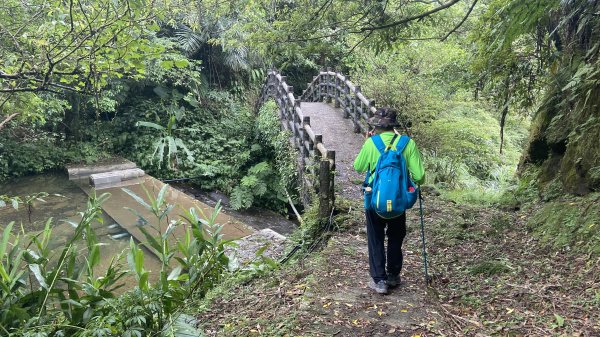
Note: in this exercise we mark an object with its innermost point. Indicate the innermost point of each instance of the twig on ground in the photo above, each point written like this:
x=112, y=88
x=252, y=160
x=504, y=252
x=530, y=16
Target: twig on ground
x=478, y=324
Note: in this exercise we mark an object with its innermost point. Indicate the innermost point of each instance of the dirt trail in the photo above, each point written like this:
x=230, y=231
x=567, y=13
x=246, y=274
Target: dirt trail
x=326, y=294
x=348, y=275
x=329, y=296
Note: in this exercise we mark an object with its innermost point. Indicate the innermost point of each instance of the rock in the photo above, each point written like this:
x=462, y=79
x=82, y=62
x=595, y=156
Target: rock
x=248, y=246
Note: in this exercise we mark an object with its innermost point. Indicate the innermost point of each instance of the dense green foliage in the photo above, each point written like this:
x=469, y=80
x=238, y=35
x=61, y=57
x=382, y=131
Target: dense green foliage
x=573, y=228
x=272, y=180
x=74, y=47
x=550, y=46
x=172, y=86
x=430, y=84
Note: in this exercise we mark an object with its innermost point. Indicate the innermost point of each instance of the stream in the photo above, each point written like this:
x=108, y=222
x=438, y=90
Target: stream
x=66, y=198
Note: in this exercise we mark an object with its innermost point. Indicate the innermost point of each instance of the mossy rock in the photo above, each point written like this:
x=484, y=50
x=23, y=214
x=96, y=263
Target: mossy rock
x=571, y=224
x=580, y=163
x=564, y=144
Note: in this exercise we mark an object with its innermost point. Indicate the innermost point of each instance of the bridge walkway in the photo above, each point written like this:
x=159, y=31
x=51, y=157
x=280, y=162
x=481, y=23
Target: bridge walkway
x=406, y=309
x=338, y=134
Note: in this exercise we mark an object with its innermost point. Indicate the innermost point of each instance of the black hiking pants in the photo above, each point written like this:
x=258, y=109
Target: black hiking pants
x=377, y=228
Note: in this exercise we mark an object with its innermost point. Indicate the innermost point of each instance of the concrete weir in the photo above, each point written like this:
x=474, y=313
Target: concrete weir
x=78, y=171
x=110, y=179
x=115, y=175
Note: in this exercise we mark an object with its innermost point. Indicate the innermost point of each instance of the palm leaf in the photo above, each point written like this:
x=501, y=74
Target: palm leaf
x=189, y=40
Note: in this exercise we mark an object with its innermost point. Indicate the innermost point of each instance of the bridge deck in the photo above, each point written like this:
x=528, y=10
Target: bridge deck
x=338, y=134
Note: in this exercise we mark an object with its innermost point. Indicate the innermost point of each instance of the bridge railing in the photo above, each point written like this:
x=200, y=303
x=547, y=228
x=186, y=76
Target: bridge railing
x=332, y=86
x=317, y=163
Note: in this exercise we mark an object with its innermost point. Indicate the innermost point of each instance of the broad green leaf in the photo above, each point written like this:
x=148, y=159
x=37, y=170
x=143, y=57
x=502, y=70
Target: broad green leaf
x=261, y=250
x=160, y=199
x=94, y=256
x=150, y=125
x=182, y=63
x=152, y=242
x=137, y=198
x=143, y=283
x=4, y=247
x=560, y=321
x=181, y=325
x=174, y=273
x=37, y=272
x=166, y=64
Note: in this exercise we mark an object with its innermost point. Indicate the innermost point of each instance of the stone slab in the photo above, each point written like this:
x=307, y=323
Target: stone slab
x=78, y=171
x=115, y=177
x=245, y=253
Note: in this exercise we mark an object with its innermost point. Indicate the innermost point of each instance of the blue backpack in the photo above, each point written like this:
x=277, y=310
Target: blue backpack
x=392, y=192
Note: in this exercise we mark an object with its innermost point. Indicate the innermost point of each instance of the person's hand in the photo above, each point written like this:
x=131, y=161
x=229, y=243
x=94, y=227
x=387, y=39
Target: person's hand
x=369, y=133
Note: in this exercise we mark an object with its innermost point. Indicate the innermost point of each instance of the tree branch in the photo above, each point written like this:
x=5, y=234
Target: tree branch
x=8, y=119
x=461, y=22
x=410, y=18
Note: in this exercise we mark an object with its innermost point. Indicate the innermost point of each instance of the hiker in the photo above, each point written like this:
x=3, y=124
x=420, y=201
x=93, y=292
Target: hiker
x=383, y=123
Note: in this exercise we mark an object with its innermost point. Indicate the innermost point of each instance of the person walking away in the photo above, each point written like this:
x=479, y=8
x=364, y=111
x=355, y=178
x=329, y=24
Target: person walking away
x=384, y=122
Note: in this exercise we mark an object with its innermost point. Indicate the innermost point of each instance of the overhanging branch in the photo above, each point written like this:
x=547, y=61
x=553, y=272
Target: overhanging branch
x=409, y=19
x=461, y=22
x=8, y=119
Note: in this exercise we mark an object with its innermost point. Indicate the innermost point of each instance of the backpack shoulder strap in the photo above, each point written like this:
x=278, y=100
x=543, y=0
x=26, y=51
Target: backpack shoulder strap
x=402, y=143
x=378, y=143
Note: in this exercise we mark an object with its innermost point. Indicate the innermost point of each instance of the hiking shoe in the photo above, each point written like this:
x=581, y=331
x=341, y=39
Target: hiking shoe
x=393, y=281
x=380, y=287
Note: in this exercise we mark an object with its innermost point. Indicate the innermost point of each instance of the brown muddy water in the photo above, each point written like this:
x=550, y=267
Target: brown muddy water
x=65, y=199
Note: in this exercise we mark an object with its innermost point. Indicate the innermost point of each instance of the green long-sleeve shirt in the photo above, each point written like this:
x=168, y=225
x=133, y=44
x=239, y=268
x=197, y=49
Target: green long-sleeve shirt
x=368, y=156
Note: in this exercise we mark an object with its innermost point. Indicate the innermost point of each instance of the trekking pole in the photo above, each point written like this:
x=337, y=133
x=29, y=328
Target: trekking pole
x=423, y=239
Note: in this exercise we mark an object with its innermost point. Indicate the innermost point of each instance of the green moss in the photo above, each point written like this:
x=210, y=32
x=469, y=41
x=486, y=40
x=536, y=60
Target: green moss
x=564, y=143
x=572, y=224
x=489, y=268
x=552, y=190
x=594, y=174
x=582, y=156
